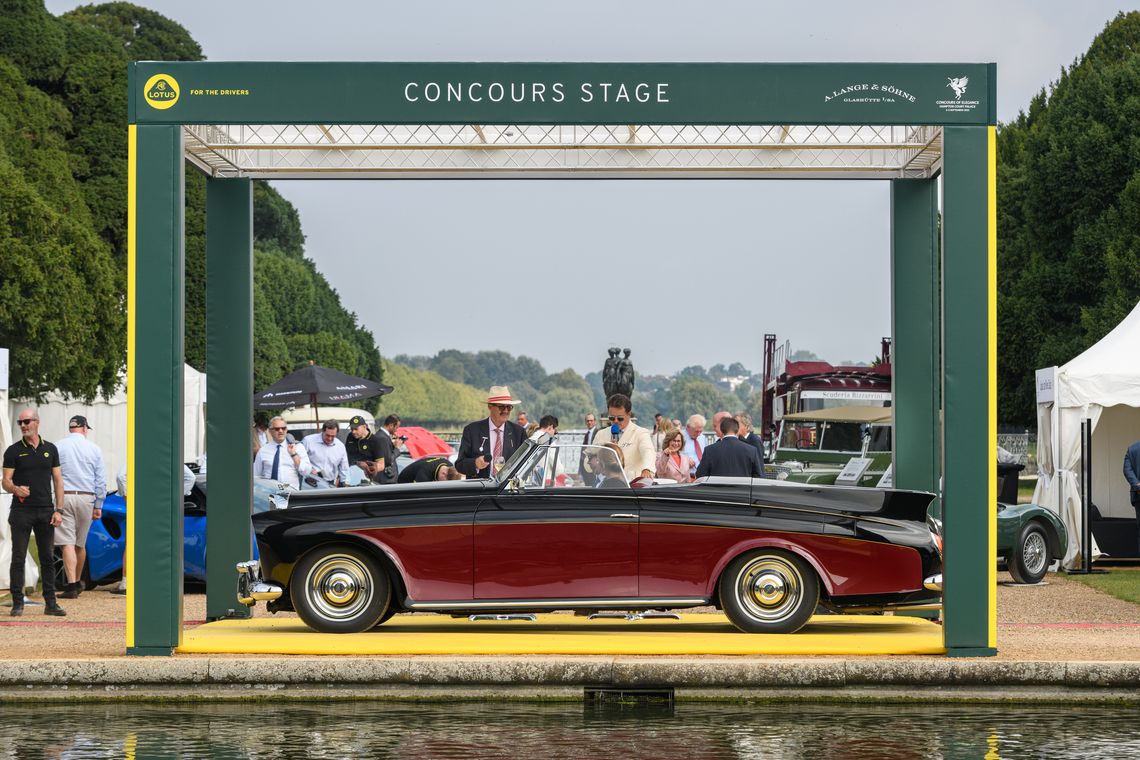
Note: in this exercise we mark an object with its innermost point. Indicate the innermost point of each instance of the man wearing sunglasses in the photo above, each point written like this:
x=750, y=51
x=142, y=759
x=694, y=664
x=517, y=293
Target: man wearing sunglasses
x=32, y=475
x=636, y=445
x=282, y=459
x=491, y=441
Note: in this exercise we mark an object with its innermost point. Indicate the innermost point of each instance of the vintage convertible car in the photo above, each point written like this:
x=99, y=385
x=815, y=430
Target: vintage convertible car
x=538, y=536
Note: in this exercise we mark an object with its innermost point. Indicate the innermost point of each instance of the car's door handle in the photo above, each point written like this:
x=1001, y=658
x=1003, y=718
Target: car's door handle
x=624, y=515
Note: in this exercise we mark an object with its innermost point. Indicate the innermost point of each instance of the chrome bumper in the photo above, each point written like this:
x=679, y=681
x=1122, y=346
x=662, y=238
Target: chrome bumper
x=250, y=588
x=933, y=583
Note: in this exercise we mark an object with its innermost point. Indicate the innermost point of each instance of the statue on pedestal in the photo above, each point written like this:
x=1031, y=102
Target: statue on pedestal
x=617, y=374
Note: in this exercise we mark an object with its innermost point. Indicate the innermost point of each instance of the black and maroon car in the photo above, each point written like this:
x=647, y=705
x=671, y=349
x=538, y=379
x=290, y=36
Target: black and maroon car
x=560, y=528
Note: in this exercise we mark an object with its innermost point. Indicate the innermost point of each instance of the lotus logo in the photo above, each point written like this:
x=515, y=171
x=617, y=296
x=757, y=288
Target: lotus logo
x=958, y=85
x=161, y=91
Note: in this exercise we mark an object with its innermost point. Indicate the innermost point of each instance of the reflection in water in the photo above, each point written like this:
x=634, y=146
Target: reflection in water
x=509, y=730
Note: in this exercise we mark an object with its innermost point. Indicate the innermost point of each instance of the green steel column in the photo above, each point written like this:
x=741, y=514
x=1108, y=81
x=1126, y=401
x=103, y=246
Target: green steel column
x=915, y=354
x=229, y=388
x=155, y=274
x=969, y=390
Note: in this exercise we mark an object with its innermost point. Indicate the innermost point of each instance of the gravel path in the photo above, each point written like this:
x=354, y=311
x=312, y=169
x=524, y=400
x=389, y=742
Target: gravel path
x=1059, y=619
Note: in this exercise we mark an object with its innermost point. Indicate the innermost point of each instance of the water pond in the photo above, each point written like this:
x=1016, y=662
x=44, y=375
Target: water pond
x=694, y=731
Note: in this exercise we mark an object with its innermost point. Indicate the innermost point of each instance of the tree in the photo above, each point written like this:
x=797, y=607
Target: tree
x=1066, y=195
x=569, y=405
x=60, y=296
x=691, y=396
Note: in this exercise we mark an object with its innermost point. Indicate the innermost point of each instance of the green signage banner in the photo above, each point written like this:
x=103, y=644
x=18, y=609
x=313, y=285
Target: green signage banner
x=562, y=93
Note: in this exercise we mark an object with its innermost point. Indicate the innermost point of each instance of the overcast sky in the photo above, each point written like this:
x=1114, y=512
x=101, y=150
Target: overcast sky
x=710, y=266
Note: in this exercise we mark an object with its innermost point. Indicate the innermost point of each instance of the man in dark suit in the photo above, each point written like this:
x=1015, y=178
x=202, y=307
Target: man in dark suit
x=486, y=441
x=730, y=455
x=1132, y=475
x=745, y=421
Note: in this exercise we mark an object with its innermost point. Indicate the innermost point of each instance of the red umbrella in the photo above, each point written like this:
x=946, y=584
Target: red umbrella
x=422, y=442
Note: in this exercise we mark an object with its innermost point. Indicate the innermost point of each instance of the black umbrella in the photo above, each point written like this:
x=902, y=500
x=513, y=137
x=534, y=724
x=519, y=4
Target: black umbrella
x=317, y=385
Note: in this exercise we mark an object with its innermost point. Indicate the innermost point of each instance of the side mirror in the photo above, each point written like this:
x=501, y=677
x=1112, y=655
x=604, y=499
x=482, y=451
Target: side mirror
x=279, y=500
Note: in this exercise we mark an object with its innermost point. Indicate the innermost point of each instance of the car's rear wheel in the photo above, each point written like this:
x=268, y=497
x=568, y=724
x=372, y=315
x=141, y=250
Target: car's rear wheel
x=339, y=589
x=769, y=591
x=1029, y=558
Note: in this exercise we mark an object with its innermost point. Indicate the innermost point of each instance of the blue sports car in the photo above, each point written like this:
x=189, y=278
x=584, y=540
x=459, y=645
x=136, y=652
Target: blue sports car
x=106, y=542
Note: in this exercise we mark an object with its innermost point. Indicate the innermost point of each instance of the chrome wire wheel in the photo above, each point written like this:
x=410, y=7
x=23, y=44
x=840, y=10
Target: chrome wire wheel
x=770, y=588
x=339, y=587
x=1034, y=553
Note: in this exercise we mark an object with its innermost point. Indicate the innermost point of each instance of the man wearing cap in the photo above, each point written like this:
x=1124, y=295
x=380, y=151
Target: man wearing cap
x=281, y=459
x=327, y=455
x=32, y=476
x=493, y=440
x=84, y=488
x=363, y=448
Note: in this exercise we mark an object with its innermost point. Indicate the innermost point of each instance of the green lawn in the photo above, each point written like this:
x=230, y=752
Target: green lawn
x=1025, y=488
x=1121, y=582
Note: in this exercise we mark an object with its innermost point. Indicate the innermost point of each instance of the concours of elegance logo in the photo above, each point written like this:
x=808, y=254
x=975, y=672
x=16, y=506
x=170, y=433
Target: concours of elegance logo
x=958, y=104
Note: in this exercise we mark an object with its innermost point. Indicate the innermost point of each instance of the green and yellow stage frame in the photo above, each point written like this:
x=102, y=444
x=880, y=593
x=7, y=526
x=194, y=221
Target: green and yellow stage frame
x=914, y=125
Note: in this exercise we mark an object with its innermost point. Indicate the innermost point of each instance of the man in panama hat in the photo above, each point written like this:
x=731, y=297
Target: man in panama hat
x=490, y=441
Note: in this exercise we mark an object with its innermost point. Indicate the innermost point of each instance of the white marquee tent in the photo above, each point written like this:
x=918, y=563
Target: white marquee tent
x=1103, y=385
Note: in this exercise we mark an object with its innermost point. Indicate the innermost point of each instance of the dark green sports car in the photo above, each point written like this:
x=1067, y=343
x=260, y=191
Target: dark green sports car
x=1029, y=538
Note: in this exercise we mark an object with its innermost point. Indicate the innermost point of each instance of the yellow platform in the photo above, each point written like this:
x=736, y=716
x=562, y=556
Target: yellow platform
x=693, y=634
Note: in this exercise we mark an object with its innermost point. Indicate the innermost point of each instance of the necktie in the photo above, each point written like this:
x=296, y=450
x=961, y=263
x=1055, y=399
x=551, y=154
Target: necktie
x=276, y=462
x=697, y=447
x=498, y=445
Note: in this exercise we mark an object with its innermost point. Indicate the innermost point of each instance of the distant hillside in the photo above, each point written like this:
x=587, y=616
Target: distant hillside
x=63, y=215
x=422, y=397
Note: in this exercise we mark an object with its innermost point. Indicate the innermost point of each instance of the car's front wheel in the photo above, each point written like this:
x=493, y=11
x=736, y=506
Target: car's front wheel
x=339, y=589
x=769, y=591
x=1029, y=558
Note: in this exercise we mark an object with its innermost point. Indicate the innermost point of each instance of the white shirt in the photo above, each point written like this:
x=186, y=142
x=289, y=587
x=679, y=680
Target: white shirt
x=496, y=434
x=690, y=450
x=330, y=458
x=81, y=463
x=287, y=472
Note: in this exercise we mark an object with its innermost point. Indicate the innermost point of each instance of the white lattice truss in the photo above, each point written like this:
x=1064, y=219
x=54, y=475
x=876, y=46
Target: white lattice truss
x=450, y=151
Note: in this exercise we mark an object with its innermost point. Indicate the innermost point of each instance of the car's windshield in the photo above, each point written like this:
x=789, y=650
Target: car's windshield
x=509, y=466
x=570, y=466
x=834, y=436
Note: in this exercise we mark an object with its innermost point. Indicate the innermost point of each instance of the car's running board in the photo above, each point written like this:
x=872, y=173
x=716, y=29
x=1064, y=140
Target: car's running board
x=875, y=608
x=557, y=604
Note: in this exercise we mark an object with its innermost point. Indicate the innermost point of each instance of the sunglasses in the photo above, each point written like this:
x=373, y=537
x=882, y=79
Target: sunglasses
x=24, y=422
x=617, y=419
x=278, y=428
x=503, y=407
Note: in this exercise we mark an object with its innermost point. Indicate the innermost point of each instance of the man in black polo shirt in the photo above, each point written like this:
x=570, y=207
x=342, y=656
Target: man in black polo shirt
x=363, y=449
x=31, y=474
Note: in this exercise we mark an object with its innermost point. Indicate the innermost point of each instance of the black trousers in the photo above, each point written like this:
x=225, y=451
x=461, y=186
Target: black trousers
x=24, y=520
